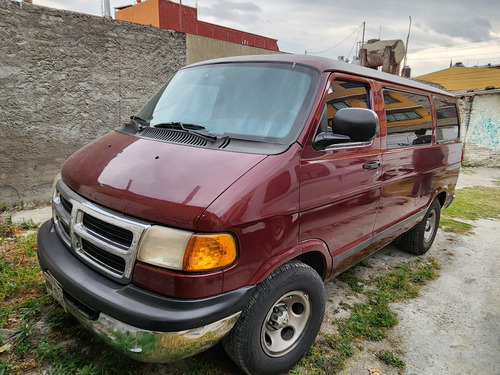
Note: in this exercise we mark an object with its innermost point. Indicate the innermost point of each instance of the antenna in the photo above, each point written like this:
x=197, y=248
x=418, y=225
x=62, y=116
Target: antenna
x=407, y=40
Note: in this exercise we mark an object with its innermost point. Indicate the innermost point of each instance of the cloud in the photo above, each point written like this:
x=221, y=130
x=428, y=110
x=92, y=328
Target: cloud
x=469, y=29
x=233, y=12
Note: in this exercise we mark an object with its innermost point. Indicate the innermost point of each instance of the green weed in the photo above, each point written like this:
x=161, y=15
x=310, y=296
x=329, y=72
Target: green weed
x=7, y=228
x=390, y=359
x=352, y=280
x=5, y=366
x=29, y=224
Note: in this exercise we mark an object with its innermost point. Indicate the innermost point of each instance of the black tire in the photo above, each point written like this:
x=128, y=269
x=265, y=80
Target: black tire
x=419, y=239
x=280, y=322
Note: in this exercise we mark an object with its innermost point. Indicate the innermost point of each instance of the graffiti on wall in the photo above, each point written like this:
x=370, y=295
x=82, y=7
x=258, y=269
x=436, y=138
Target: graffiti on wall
x=484, y=124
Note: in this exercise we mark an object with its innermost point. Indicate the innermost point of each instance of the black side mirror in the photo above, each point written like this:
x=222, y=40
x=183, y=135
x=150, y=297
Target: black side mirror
x=350, y=125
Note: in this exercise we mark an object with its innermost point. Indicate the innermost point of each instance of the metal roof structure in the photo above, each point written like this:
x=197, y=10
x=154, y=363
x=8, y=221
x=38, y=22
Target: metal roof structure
x=462, y=78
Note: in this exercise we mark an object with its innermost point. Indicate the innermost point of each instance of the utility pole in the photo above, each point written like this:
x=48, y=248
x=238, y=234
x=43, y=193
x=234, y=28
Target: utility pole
x=361, y=60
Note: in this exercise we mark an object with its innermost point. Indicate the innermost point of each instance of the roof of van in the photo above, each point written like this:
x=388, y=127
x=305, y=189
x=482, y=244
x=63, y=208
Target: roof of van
x=324, y=64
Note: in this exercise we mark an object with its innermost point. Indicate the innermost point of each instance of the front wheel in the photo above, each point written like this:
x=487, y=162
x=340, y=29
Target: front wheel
x=280, y=322
x=420, y=238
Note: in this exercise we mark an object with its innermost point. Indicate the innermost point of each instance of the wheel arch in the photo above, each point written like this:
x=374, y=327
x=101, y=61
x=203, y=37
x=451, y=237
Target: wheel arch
x=441, y=197
x=316, y=261
x=313, y=252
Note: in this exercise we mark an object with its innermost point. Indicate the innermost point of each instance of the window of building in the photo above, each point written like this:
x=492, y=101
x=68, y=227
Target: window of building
x=409, y=120
x=447, y=124
x=389, y=99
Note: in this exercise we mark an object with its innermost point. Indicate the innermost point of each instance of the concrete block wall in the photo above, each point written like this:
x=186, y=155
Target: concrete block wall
x=481, y=118
x=65, y=79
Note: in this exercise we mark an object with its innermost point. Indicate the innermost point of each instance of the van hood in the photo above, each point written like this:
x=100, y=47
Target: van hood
x=156, y=181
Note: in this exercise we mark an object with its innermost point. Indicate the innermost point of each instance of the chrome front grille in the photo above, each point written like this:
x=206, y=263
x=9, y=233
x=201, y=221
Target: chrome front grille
x=104, y=239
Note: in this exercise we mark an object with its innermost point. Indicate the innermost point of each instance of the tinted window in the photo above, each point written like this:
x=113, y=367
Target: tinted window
x=447, y=125
x=409, y=121
x=345, y=94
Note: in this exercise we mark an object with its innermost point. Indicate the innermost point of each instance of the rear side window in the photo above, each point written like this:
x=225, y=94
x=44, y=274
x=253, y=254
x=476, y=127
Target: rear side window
x=409, y=120
x=447, y=124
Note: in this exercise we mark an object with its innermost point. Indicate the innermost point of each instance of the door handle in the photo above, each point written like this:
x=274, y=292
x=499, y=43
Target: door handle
x=372, y=165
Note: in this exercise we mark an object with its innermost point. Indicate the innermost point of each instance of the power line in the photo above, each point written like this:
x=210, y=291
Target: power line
x=354, y=44
x=326, y=50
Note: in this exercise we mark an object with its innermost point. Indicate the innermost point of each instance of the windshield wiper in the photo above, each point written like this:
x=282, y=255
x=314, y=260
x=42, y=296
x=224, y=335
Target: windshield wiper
x=139, y=121
x=189, y=128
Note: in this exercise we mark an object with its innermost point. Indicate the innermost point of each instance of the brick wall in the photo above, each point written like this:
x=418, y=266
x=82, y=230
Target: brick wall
x=65, y=79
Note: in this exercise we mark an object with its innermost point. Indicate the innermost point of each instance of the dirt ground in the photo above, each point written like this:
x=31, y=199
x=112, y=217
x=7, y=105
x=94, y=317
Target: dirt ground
x=454, y=326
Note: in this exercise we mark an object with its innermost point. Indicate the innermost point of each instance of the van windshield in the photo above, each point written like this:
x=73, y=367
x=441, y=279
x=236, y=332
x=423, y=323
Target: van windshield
x=261, y=102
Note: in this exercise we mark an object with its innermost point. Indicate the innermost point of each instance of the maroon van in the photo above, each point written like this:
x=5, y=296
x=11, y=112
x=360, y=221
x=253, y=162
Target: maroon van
x=243, y=184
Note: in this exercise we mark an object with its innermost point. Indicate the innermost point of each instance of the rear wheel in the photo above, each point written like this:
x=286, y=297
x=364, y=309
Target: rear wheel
x=280, y=322
x=419, y=239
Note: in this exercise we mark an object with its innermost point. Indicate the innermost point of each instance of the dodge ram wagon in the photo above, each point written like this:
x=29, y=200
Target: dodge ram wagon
x=221, y=207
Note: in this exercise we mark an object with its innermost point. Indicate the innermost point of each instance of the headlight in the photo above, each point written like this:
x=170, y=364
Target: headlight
x=183, y=250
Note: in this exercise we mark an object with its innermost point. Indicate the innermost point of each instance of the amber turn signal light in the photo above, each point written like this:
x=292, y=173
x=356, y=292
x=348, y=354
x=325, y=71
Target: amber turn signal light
x=209, y=251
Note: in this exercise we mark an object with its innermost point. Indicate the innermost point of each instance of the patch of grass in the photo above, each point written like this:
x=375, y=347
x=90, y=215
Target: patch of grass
x=7, y=228
x=56, y=317
x=352, y=280
x=455, y=226
x=20, y=275
x=4, y=207
x=390, y=359
x=5, y=366
x=28, y=224
x=397, y=285
x=471, y=203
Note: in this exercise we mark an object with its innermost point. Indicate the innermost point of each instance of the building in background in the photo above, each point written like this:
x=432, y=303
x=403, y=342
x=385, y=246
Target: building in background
x=168, y=15
x=459, y=78
x=478, y=89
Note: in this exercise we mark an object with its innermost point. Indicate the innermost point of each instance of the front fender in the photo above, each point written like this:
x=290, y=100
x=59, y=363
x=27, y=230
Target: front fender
x=304, y=250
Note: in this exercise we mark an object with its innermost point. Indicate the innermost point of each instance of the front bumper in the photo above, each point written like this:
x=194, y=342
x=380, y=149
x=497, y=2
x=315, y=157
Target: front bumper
x=141, y=324
x=149, y=346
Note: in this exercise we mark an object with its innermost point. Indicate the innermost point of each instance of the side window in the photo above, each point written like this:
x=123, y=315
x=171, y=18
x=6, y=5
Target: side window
x=345, y=94
x=409, y=121
x=447, y=124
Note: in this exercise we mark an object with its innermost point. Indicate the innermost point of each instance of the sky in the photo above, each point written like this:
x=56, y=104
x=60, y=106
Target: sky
x=442, y=31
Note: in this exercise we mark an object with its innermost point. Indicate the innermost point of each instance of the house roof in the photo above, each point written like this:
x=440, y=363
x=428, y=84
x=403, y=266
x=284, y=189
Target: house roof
x=462, y=78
